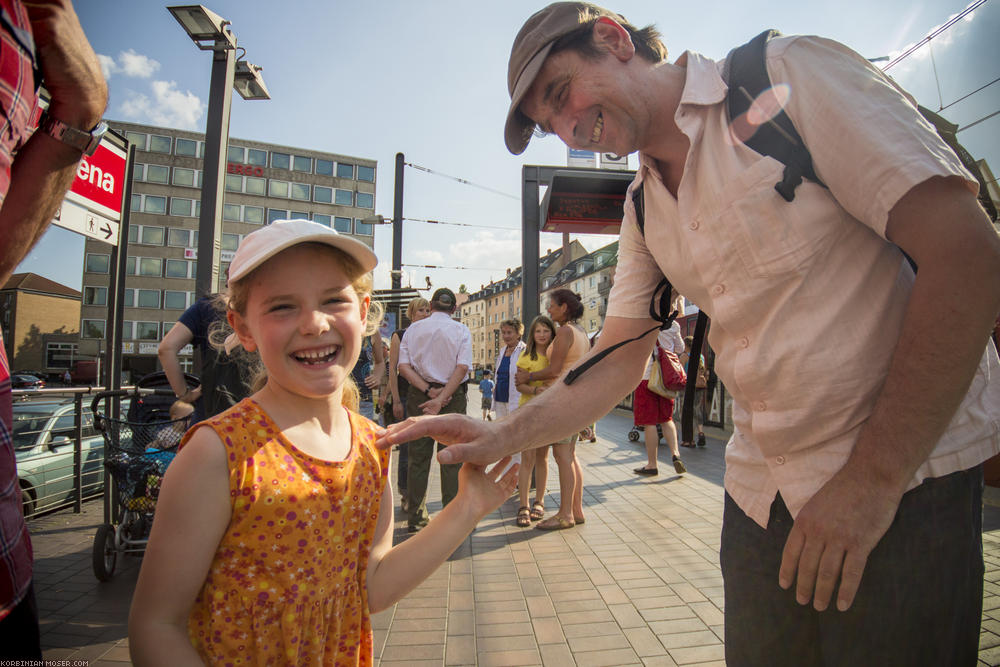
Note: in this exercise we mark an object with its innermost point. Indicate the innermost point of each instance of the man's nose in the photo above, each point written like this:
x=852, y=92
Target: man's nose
x=565, y=129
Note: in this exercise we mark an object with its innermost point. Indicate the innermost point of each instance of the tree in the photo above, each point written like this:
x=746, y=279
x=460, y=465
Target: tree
x=462, y=289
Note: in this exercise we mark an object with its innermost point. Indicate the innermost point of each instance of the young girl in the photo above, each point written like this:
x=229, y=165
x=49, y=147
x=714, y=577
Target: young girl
x=272, y=542
x=540, y=335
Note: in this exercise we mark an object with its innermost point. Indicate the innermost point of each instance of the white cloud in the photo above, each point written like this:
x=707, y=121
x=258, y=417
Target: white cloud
x=428, y=257
x=169, y=106
x=129, y=63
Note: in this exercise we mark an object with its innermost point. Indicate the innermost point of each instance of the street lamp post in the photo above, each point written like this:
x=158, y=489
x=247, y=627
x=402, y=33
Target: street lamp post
x=210, y=32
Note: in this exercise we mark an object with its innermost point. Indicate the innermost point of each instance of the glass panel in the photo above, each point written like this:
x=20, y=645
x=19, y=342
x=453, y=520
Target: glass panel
x=159, y=143
x=230, y=241
x=139, y=171
x=178, y=237
x=155, y=204
x=174, y=301
x=254, y=214
x=234, y=183
x=344, y=198
x=254, y=186
x=366, y=173
x=156, y=173
x=323, y=195
x=130, y=266
x=277, y=188
x=299, y=215
x=149, y=298
x=137, y=138
x=133, y=234
x=185, y=147
x=300, y=163
x=181, y=207
x=136, y=202
x=366, y=200
x=95, y=296
x=256, y=157
x=280, y=160
x=128, y=330
x=322, y=219
x=362, y=227
x=150, y=266
x=235, y=154
x=184, y=177
x=147, y=330
x=231, y=212
x=152, y=235
x=177, y=268
x=98, y=263
x=276, y=214
x=300, y=191
x=345, y=170
x=324, y=167
x=342, y=225
x=93, y=328
x=129, y=297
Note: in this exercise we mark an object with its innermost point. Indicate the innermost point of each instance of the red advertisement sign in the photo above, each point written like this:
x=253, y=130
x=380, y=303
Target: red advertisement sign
x=100, y=181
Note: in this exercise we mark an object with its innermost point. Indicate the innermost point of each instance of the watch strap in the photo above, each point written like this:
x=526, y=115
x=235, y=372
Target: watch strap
x=84, y=141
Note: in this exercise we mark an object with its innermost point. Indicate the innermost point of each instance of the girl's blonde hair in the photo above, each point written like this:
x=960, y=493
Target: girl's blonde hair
x=238, y=294
x=415, y=305
x=532, y=347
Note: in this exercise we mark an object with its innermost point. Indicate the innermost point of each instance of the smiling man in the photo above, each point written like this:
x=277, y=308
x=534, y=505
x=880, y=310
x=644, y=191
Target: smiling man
x=852, y=524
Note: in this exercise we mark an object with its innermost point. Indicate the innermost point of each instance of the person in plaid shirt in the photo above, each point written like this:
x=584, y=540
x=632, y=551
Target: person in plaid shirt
x=40, y=41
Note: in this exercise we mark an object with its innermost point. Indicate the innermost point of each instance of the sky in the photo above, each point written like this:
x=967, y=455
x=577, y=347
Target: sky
x=428, y=79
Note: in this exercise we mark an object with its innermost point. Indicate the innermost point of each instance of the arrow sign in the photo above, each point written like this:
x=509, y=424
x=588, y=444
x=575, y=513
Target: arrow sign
x=78, y=219
x=106, y=230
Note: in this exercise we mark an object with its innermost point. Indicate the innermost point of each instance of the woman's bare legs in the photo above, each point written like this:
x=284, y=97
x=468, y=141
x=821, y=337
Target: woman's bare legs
x=524, y=476
x=541, y=472
x=564, y=455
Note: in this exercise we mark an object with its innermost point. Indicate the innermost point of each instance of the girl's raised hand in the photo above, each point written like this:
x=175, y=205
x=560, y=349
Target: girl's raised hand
x=485, y=489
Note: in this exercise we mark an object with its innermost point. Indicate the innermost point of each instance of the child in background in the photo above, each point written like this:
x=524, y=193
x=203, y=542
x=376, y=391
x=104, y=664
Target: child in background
x=486, y=389
x=272, y=541
x=541, y=333
x=180, y=417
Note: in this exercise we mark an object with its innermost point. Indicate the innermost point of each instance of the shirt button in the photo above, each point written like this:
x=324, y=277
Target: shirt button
x=760, y=406
x=695, y=224
x=780, y=460
x=718, y=289
x=744, y=342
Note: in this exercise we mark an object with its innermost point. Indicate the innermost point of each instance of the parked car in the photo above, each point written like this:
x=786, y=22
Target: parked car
x=43, y=446
x=25, y=381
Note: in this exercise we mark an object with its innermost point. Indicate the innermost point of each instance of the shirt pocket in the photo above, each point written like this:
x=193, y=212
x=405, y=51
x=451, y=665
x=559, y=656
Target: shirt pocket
x=772, y=237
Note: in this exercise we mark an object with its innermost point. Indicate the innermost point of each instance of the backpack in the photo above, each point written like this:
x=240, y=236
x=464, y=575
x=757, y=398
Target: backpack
x=747, y=77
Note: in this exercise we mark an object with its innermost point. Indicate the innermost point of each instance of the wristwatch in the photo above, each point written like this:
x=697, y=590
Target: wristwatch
x=82, y=140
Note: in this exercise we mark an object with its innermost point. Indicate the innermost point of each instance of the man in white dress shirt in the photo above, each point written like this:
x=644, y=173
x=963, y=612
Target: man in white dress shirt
x=434, y=357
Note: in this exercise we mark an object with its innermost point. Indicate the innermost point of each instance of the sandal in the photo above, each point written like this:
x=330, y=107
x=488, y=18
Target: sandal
x=555, y=522
x=537, y=511
x=523, y=517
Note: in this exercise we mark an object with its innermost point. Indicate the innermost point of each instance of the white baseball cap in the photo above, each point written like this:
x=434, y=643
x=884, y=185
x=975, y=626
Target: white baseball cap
x=263, y=244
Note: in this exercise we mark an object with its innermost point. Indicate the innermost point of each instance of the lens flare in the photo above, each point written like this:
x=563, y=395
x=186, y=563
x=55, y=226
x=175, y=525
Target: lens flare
x=762, y=110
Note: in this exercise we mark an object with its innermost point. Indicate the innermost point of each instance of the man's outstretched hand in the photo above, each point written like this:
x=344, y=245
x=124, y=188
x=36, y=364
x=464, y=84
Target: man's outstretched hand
x=468, y=440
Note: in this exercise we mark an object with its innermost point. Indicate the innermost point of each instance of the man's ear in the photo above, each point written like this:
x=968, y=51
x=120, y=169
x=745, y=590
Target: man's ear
x=612, y=36
x=239, y=325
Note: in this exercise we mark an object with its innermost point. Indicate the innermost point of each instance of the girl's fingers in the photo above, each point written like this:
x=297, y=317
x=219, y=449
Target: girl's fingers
x=494, y=473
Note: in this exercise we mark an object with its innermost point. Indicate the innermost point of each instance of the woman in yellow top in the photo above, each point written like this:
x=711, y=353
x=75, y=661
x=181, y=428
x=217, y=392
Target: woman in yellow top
x=540, y=336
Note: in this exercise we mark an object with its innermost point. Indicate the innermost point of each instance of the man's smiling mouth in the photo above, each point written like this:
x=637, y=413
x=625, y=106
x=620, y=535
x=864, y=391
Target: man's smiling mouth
x=595, y=136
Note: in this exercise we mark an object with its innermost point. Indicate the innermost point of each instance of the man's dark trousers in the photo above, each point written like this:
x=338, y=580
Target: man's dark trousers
x=421, y=452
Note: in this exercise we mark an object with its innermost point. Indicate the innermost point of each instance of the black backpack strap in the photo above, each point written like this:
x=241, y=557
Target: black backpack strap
x=747, y=77
x=694, y=362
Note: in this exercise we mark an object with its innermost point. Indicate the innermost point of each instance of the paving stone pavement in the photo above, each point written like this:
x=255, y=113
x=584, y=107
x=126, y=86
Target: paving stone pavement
x=638, y=584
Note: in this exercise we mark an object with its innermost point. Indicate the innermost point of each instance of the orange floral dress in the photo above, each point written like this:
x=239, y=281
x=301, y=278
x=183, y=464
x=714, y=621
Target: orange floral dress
x=287, y=584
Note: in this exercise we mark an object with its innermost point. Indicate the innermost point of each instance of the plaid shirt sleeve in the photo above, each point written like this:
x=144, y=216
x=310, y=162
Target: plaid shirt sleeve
x=18, y=102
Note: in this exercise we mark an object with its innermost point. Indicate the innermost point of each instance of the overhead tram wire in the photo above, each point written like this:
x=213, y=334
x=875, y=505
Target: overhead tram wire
x=467, y=182
x=459, y=268
x=388, y=221
x=955, y=19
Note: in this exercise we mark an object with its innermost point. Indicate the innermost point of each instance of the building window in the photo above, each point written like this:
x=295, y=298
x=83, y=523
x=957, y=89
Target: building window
x=179, y=238
x=324, y=167
x=276, y=214
x=231, y=212
x=234, y=154
x=277, y=188
x=60, y=355
x=344, y=197
x=345, y=170
x=98, y=263
x=174, y=300
x=147, y=331
x=151, y=204
x=254, y=186
x=159, y=143
x=136, y=202
x=92, y=328
x=366, y=173
x=323, y=195
x=127, y=330
x=139, y=171
x=234, y=183
x=300, y=163
x=366, y=200
x=149, y=298
x=342, y=225
x=138, y=139
x=184, y=177
x=177, y=268
x=181, y=207
x=150, y=266
x=299, y=215
x=363, y=228
x=253, y=214
x=156, y=173
x=300, y=191
x=280, y=160
x=185, y=147
x=95, y=296
x=152, y=235
x=230, y=242
x=322, y=219
x=256, y=157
